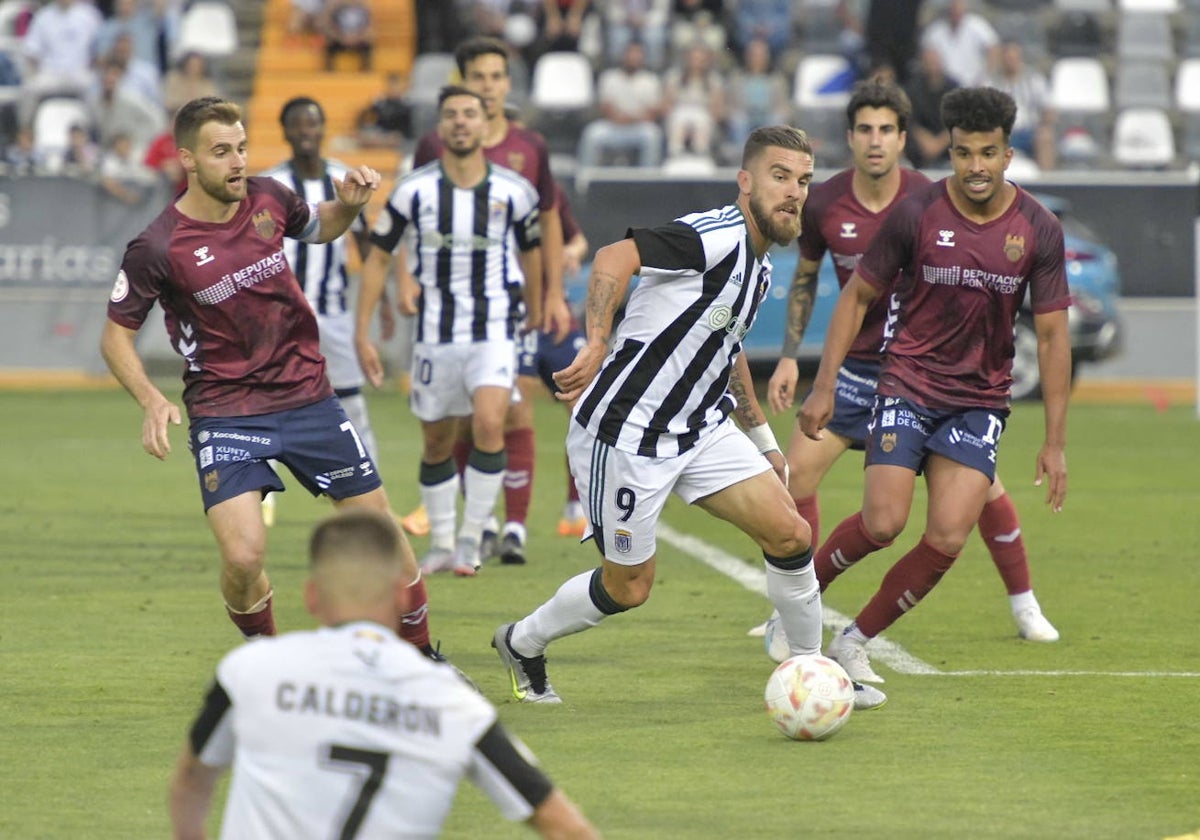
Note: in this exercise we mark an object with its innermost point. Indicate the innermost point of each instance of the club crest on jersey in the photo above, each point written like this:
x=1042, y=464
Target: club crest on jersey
x=888, y=442
x=623, y=541
x=264, y=225
x=212, y=481
x=1014, y=246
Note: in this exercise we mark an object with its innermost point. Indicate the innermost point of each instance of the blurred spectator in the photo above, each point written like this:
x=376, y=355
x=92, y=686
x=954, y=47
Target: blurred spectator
x=140, y=76
x=162, y=157
x=439, y=25
x=644, y=21
x=928, y=140
x=117, y=110
x=491, y=18
x=189, y=79
x=388, y=121
x=758, y=96
x=891, y=35
x=347, y=28
x=60, y=47
x=698, y=21
x=1033, y=132
x=122, y=174
x=10, y=92
x=966, y=41
x=562, y=24
x=142, y=21
x=851, y=42
x=770, y=20
x=21, y=156
x=82, y=156
x=631, y=103
x=694, y=102
x=304, y=23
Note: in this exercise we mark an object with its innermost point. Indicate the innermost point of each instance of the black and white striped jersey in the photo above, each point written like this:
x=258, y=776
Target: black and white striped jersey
x=466, y=250
x=321, y=269
x=665, y=382
x=348, y=731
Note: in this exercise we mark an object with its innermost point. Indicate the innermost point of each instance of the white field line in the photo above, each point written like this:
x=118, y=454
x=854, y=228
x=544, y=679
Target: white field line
x=881, y=649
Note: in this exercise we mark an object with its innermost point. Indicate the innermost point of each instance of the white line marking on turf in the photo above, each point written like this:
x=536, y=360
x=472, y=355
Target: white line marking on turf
x=882, y=649
x=1019, y=673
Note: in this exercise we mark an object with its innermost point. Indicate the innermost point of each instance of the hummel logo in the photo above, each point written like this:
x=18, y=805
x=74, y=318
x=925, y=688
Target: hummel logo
x=849, y=230
x=202, y=255
x=945, y=239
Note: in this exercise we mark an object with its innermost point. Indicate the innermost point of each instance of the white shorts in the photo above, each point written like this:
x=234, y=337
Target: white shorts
x=624, y=494
x=445, y=376
x=337, y=346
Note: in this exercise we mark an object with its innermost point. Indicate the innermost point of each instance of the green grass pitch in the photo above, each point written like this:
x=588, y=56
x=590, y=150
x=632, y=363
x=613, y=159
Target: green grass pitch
x=112, y=623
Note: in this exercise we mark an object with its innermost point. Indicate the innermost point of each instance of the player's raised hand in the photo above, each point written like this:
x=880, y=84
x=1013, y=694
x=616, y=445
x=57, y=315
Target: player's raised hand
x=1052, y=463
x=368, y=360
x=410, y=292
x=575, y=377
x=356, y=188
x=781, y=387
x=159, y=417
x=556, y=320
x=815, y=413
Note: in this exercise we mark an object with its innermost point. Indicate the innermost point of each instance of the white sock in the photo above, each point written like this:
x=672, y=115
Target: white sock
x=517, y=528
x=855, y=635
x=1023, y=600
x=573, y=510
x=482, y=490
x=441, y=504
x=569, y=610
x=356, y=410
x=797, y=597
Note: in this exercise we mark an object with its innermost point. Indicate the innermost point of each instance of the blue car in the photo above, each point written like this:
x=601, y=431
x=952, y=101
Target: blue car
x=1091, y=272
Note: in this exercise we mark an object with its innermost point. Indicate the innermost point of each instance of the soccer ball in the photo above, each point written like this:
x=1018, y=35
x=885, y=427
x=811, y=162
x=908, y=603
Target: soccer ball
x=809, y=697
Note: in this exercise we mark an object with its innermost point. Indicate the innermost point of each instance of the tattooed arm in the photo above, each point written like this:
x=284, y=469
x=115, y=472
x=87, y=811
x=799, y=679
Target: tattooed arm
x=748, y=412
x=750, y=417
x=781, y=389
x=612, y=269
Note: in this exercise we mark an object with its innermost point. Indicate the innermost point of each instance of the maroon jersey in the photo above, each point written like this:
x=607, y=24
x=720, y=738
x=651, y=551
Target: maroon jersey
x=521, y=150
x=835, y=221
x=570, y=225
x=233, y=308
x=953, y=289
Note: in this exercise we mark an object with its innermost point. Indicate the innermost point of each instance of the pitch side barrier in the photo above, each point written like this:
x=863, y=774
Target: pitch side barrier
x=61, y=242
x=1147, y=218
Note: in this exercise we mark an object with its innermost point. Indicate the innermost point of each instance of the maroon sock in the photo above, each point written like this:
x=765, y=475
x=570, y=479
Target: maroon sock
x=1001, y=532
x=261, y=623
x=848, y=544
x=908, y=581
x=518, y=475
x=414, y=624
x=807, y=507
x=572, y=490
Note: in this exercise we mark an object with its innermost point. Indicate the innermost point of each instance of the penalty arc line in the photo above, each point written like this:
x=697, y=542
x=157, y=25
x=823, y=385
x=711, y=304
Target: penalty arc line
x=882, y=649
